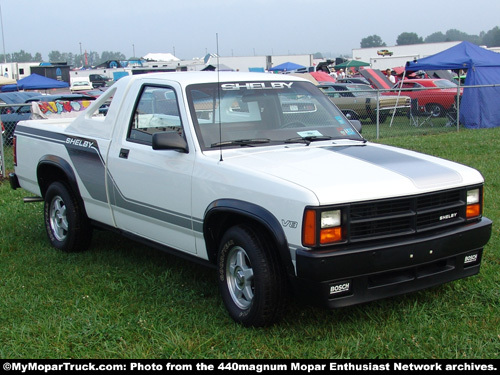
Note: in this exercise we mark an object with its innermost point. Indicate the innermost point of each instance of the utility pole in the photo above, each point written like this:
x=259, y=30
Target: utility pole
x=3, y=36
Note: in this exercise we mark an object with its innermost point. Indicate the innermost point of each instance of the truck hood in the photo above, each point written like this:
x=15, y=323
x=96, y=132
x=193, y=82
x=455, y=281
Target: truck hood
x=353, y=171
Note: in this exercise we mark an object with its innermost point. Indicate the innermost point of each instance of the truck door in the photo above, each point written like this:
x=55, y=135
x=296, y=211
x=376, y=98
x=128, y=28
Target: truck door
x=150, y=190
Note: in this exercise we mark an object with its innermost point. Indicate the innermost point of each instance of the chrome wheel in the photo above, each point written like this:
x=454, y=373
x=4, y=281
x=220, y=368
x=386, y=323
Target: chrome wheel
x=251, y=281
x=58, y=218
x=239, y=278
x=66, y=222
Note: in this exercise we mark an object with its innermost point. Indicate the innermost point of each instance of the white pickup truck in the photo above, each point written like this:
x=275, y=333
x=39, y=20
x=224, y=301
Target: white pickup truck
x=262, y=177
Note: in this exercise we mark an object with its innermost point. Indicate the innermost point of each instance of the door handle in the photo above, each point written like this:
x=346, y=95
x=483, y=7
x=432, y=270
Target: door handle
x=123, y=153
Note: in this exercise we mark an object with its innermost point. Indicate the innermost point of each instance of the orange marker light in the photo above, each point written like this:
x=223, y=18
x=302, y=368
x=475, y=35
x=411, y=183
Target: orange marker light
x=473, y=210
x=330, y=235
x=309, y=230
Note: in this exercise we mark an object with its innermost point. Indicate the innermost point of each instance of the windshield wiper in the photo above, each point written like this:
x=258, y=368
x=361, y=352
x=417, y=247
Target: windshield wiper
x=241, y=142
x=307, y=140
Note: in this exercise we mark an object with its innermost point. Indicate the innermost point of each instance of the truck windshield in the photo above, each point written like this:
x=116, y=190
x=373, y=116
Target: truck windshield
x=256, y=114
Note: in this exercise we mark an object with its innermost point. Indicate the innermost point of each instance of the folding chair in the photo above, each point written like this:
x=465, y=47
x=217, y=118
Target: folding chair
x=419, y=117
x=452, y=114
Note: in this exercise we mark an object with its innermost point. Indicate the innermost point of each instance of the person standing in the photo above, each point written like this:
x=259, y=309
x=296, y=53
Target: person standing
x=389, y=75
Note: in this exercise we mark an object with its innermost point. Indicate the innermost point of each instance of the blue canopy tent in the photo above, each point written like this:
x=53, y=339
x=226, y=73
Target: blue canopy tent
x=35, y=82
x=287, y=66
x=480, y=106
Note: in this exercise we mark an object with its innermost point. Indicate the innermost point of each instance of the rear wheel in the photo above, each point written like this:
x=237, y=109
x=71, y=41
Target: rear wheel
x=437, y=110
x=66, y=223
x=251, y=281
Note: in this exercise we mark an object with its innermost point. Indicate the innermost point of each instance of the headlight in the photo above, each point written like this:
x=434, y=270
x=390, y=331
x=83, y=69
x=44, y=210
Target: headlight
x=322, y=227
x=330, y=219
x=474, y=203
x=473, y=196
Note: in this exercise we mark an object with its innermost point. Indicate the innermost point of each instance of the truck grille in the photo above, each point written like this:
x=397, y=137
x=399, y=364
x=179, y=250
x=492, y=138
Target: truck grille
x=405, y=216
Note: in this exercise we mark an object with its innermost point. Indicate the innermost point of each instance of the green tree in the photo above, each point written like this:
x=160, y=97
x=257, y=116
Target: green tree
x=55, y=56
x=408, y=38
x=436, y=37
x=453, y=35
x=108, y=55
x=5, y=58
x=372, y=41
x=492, y=37
x=22, y=56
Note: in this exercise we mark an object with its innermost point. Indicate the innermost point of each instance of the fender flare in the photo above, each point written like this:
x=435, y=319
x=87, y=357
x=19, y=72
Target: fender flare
x=251, y=212
x=65, y=168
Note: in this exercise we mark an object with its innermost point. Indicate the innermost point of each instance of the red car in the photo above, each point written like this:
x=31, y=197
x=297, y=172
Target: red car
x=434, y=95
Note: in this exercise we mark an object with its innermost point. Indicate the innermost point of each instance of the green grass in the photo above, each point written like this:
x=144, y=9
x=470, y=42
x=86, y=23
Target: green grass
x=123, y=300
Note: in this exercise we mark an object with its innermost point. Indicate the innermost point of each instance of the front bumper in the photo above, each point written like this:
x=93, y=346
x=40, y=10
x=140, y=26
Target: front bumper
x=356, y=274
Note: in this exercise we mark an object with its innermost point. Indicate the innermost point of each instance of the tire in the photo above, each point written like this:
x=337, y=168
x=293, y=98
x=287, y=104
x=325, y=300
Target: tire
x=251, y=282
x=381, y=118
x=350, y=115
x=437, y=110
x=67, y=225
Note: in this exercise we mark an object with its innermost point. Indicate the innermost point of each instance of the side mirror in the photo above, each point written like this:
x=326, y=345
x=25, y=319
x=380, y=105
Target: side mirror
x=357, y=125
x=169, y=141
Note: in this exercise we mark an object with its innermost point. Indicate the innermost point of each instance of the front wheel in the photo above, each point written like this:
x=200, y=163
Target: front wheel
x=251, y=281
x=66, y=222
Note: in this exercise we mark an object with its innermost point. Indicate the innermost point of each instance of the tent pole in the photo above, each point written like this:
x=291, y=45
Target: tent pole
x=458, y=101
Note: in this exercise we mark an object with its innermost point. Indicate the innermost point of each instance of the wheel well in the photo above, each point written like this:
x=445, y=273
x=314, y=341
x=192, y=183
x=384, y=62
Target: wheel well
x=52, y=169
x=220, y=222
x=221, y=219
x=47, y=174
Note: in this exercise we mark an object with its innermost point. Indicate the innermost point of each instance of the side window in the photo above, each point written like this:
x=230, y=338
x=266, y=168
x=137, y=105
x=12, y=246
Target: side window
x=157, y=110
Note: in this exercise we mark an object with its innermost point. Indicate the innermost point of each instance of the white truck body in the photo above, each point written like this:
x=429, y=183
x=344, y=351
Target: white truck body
x=187, y=196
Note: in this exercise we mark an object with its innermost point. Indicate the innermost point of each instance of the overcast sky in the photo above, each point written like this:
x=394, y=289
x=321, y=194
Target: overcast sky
x=189, y=28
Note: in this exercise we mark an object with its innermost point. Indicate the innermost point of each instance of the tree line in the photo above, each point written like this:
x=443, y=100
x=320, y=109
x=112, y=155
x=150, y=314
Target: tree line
x=490, y=38
x=85, y=59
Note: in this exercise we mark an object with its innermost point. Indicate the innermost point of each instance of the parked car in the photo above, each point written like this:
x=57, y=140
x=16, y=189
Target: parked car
x=23, y=112
x=384, y=52
x=436, y=96
x=82, y=85
x=359, y=101
x=98, y=80
x=359, y=80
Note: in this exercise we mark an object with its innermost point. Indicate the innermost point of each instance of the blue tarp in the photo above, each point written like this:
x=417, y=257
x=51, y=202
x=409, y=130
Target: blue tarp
x=288, y=66
x=35, y=82
x=480, y=107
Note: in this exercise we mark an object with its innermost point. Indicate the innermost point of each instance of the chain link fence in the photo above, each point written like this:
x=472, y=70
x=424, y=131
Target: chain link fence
x=419, y=111
x=10, y=115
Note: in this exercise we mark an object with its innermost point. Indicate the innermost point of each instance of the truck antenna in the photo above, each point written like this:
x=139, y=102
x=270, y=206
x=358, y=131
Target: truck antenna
x=218, y=96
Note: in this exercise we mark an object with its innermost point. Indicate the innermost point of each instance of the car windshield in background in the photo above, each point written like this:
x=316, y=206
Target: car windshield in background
x=361, y=90
x=445, y=84
x=263, y=113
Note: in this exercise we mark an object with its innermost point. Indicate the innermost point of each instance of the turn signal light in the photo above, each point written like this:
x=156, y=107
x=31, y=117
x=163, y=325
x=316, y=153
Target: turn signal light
x=330, y=235
x=309, y=230
x=473, y=210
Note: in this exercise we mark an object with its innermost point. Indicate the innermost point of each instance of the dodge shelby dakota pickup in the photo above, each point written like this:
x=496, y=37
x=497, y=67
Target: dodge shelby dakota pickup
x=262, y=177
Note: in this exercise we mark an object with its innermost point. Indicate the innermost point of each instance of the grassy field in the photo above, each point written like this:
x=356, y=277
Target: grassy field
x=123, y=300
